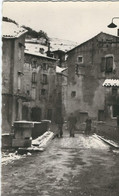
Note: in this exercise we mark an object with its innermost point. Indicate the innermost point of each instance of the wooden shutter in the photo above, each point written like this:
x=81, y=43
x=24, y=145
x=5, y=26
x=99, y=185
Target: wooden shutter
x=103, y=64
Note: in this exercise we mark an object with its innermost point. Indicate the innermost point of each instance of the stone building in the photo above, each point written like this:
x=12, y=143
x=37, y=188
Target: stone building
x=89, y=65
x=13, y=39
x=40, y=85
x=60, y=56
x=111, y=99
x=61, y=92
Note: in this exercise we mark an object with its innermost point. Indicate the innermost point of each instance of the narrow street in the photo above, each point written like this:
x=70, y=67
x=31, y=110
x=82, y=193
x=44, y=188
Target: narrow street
x=79, y=166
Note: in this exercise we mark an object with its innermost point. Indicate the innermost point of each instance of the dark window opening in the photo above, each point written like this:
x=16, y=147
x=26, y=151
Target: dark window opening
x=34, y=77
x=44, y=79
x=80, y=59
x=41, y=50
x=73, y=94
x=114, y=91
x=49, y=114
x=44, y=66
x=115, y=110
x=43, y=91
x=101, y=115
x=28, y=92
x=109, y=64
x=36, y=114
x=34, y=64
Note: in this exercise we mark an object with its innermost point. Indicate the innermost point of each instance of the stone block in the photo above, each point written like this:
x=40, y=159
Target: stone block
x=7, y=140
x=21, y=142
x=23, y=129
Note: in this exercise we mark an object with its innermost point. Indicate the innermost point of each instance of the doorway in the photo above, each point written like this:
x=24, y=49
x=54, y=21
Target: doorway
x=36, y=114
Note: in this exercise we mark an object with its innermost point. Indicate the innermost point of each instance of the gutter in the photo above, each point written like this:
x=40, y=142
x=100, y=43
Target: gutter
x=111, y=143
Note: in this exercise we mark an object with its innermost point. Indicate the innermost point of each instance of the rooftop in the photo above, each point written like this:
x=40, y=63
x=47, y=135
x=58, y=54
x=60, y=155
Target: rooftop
x=11, y=30
x=101, y=33
x=60, y=69
x=39, y=54
x=35, y=47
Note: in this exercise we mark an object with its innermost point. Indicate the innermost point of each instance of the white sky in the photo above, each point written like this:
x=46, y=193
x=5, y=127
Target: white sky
x=75, y=21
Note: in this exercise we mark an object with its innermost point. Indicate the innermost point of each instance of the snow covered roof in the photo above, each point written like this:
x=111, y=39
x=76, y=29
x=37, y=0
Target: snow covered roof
x=111, y=82
x=59, y=69
x=60, y=44
x=35, y=47
x=11, y=30
x=39, y=54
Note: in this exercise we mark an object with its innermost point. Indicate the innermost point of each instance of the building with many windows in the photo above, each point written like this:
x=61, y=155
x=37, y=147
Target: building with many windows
x=40, y=84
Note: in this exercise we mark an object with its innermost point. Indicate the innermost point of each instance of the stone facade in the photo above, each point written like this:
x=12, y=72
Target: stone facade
x=61, y=93
x=60, y=56
x=89, y=64
x=40, y=85
x=12, y=73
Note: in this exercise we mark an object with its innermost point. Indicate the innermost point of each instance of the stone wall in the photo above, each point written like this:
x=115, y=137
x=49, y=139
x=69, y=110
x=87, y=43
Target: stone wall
x=12, y=86
x=85, y=78
x=42, y=92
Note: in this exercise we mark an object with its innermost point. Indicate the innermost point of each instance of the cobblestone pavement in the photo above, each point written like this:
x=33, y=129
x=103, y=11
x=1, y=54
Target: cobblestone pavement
x=79, y=166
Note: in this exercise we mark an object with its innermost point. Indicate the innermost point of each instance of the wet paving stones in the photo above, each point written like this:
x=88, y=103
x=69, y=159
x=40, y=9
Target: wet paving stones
x=80, y=166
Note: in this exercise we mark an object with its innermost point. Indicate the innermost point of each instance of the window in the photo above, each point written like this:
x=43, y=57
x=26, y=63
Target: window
x=73, y=94
x=45, y=66
x=109, y=64
x=28, y=92
x=34, y=64
x=20, y=51
x=115, y=110
x=114, y=91
x=41, y=50
x=101, y=115
x=43, y=91
x=44, y=79
x=49, y=114
x=34, y=77
x=80, y=59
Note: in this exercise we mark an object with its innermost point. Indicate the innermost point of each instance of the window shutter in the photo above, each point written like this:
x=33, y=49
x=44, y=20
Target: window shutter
x=103, y=64
x=109, y=64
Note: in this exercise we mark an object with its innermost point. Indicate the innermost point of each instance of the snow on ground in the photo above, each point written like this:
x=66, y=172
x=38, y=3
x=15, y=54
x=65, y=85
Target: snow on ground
x=41, y=142
x=10, y=157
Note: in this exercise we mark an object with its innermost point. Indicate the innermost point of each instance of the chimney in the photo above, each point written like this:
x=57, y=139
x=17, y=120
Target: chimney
x=48, y=46
x=49, y=52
